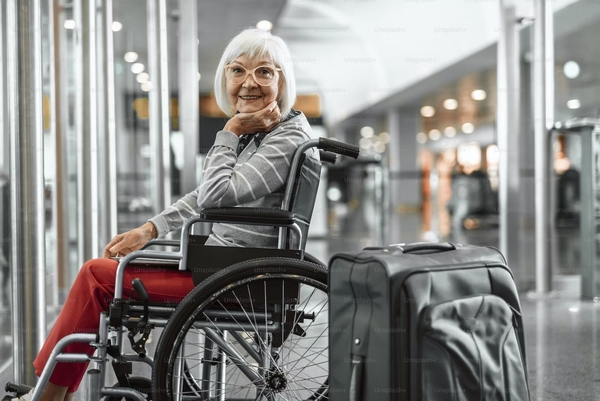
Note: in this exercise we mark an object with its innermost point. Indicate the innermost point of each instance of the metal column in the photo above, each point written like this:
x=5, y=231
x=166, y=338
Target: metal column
x=59, y=186
x=158, y=65
x=404, y=176
x=4, y=155
x=24, y=68
x=86, y=117
x=588, y=188
x=543, y=106
x=509, y=133
x=189, y=117
x=107, y=140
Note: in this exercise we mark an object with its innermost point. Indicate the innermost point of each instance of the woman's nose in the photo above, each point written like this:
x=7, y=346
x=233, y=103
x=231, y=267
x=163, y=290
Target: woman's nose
x=249, y=82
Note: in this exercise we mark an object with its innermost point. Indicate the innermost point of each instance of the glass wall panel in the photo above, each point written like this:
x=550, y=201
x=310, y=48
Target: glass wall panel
x=577, y=95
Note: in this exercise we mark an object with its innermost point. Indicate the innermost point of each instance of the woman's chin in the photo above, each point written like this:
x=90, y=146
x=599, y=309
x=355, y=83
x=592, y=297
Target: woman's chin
x=250, y=107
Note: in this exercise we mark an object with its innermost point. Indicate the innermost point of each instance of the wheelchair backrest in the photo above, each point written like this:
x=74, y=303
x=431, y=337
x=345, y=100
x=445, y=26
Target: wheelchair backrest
x=304, y=194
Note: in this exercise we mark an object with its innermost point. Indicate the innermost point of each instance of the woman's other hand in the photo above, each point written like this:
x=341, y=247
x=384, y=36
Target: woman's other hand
x=259, y=121
x=130, y=241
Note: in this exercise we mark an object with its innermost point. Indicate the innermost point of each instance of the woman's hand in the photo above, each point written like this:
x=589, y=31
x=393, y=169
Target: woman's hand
x=250, y=123
x=130, y=241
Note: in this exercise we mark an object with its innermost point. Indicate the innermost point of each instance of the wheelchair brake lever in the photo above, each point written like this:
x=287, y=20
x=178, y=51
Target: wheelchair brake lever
x=143, y=327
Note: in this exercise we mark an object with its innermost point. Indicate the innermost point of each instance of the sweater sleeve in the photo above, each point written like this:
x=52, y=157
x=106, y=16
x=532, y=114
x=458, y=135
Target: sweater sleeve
x=175, y=215
x=265, y=172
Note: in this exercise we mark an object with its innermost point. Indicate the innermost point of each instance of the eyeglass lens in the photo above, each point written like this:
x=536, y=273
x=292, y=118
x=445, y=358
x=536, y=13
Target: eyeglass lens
x=263, y=75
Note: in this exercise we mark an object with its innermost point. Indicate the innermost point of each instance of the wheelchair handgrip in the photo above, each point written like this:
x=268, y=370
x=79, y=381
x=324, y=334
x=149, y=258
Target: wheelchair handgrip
x=338, y=147
x=139, y=288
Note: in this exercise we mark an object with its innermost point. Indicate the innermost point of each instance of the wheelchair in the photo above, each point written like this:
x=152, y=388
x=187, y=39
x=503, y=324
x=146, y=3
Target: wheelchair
x=255, y=327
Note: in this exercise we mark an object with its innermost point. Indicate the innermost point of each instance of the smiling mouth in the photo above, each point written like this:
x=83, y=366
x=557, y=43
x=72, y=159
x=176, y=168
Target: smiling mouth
x=249, y=97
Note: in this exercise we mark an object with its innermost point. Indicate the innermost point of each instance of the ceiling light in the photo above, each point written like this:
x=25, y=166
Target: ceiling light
x=421, y=137
x=142, y=77
x=384, y=137
x=367, y=132
x=264, y=25
x=334, y=194
x=574, y=104
x=147, y=86
x=435, y=134
x=478, y=94
x=427, y=111
x=450, y=132
x=69, y=24
x=131, y=57
x=116, y=26
x=365, y=143
x=467, y=128
x=379, y=147
x=450, y=104
x=136, y=68
x=571, y=69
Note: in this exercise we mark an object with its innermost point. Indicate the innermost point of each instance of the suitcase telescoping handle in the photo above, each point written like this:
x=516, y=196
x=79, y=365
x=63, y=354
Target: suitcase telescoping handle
x=425, y=246
x=416, y=246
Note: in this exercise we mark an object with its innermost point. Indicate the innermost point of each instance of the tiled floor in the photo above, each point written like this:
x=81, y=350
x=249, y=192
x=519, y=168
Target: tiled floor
x=562, y=332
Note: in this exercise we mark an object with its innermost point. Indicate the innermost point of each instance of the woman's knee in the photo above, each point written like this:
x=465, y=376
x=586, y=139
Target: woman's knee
x=100, y=271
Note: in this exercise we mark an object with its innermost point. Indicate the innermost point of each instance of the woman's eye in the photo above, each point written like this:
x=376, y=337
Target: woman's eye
x=266, y=72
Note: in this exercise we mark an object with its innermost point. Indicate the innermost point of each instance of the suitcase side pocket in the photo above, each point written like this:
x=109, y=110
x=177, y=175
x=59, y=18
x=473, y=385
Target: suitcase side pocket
x=469, y=351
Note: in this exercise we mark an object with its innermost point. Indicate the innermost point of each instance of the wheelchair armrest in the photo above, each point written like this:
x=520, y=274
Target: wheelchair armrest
x=249, y=215
x=162, y=242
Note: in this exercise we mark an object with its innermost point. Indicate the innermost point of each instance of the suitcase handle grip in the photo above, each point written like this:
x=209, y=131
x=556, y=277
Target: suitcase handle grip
x=426, y=246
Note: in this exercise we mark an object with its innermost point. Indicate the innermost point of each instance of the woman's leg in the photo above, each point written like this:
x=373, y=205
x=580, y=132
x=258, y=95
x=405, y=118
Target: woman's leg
x=55, y=393
x=91, y=294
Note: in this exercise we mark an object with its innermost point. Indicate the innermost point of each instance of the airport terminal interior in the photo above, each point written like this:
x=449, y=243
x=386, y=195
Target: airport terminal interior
x=477, y=123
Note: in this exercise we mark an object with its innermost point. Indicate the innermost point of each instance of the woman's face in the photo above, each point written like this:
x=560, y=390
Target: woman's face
x=248, y=96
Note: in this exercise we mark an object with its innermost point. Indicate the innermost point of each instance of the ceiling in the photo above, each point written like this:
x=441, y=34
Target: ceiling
x=360, y=56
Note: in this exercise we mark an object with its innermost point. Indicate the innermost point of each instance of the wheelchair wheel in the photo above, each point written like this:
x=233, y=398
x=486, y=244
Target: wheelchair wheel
x=257, y=330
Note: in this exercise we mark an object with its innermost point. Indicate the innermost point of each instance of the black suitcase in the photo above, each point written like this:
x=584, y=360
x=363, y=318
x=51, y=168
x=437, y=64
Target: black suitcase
x=425, y=321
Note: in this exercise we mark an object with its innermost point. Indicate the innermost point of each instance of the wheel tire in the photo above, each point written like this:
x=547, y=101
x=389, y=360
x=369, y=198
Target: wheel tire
x=141, y=384
x=224, y=282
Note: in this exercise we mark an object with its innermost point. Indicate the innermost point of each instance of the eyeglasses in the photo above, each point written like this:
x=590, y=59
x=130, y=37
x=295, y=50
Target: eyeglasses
x=263, y=75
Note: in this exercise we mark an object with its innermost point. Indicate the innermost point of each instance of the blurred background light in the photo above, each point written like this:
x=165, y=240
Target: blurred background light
x=136, y=68
x=435, y=134
x=450, y=104
x=467, y=128
x=478, y=94
x=116, y=26
x=264, y=25
x=147, y=86
x=69, y=24
x=427, y=111
x=571, y=69
x=421, y=137
x=367, y=132
x=131, y=57
x=384, y=137
x=574, y=104
x=450, y=132
x=142, y=77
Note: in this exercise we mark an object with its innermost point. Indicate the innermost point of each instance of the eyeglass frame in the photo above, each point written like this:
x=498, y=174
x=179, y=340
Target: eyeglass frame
x=248, y=72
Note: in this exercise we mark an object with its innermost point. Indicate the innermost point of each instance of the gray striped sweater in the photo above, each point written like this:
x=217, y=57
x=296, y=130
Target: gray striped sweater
x=255, y=178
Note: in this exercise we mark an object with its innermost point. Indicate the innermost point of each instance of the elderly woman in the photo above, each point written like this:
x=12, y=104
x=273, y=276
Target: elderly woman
x=247, y=165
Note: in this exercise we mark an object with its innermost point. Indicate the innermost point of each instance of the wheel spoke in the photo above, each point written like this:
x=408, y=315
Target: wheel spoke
x=301, y=362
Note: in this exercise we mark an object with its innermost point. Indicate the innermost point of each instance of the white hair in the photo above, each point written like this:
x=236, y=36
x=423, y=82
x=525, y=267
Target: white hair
x=255, y=43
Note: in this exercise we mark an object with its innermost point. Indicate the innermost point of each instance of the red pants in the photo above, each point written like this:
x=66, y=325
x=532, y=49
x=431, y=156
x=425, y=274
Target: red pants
x=91, y=294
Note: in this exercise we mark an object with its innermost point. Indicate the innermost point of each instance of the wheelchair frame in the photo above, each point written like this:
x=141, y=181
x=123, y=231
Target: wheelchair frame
x=109, y=340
